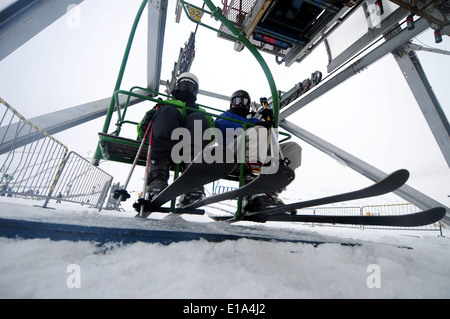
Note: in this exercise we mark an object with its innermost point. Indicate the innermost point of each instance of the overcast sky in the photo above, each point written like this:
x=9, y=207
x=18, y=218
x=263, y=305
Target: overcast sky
x=373, y=115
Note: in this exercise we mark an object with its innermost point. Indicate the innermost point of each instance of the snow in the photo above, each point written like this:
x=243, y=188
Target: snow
x=378, y=267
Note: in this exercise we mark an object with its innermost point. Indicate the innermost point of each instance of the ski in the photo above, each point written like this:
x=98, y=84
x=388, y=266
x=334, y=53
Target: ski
x=422, y=218
x=195, y=175
x=264, y=183
x=386, y=185
x=300, y=88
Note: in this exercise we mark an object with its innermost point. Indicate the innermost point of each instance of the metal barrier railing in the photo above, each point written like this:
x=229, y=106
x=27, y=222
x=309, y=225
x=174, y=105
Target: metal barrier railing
x=218, y=189
x=396, y=209
x=379, y=210
x=81, y=182
x=35, y=164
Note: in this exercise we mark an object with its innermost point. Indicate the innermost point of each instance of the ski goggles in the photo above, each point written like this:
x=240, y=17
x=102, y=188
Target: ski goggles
x=238, y=100
x=187, y=85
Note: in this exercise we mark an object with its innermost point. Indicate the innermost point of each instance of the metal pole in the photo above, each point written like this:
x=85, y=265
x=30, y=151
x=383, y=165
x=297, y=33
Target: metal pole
x=426, y=99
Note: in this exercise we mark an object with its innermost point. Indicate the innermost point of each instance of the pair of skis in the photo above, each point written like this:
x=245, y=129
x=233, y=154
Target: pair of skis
x=198, y=174
x=195, y=175
x=300, y=88
x=386, y=185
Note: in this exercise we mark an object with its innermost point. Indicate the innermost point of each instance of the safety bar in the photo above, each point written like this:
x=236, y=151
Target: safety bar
x=176, y=103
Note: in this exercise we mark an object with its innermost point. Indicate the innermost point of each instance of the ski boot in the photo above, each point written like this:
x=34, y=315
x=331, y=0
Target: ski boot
x=192, y=197
x=280, y=203
x=157, y=177
x=259, y=202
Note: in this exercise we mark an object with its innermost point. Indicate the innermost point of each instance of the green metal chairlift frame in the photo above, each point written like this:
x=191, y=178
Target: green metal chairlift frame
x=112, y=147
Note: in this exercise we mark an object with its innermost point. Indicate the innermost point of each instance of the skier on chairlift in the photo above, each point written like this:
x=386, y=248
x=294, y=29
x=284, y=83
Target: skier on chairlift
x=264, y=121
x=164, y=119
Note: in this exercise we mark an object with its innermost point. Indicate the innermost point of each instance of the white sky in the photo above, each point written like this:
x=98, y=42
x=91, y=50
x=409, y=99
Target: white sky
x=373, y=115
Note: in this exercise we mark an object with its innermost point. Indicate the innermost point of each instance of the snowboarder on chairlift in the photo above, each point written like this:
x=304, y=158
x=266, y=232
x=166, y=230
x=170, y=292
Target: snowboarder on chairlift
x=164, y=119
x=240, y=110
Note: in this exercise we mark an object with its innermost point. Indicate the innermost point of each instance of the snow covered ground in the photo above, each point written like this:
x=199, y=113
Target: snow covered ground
x=244, y=268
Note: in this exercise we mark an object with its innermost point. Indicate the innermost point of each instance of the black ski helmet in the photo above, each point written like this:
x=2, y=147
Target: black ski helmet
x=241, y=101
x=242, y=94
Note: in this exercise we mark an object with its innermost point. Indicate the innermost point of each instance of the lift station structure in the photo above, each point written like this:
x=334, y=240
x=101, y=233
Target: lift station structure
x=290, y=30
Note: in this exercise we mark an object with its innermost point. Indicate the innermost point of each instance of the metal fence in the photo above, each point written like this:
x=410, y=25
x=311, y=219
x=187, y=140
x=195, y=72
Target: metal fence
x=397, y=209
x=34, y=164
x=376, y=210
x=81, y=182
x=218, y=189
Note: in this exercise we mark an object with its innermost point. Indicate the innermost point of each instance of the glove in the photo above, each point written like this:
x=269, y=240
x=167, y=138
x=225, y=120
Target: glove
x=267, y=119
x=121, y=192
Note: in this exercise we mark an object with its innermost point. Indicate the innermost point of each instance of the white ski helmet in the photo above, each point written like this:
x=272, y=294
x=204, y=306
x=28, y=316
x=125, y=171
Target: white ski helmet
x=187, y=82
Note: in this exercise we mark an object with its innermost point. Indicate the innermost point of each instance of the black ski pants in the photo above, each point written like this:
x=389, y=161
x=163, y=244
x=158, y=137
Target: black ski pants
x=165, y=121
